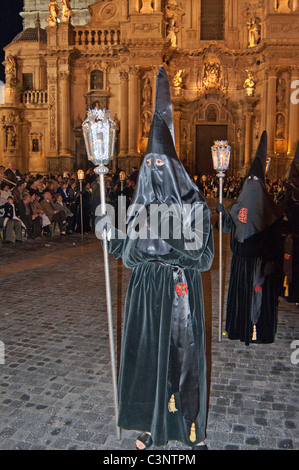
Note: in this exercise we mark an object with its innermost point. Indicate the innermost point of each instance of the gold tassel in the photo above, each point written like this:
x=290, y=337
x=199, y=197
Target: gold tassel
x=285, y=285
x=171, y=405
x=193, y=433
x=254, y=333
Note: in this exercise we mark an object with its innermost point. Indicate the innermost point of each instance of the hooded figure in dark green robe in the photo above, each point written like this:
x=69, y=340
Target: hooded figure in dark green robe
x=168, y=242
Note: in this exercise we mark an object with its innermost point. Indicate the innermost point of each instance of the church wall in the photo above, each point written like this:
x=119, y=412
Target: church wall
x=242, y=81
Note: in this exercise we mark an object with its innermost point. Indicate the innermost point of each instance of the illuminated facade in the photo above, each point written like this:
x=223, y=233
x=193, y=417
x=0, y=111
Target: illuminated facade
x=233, y=67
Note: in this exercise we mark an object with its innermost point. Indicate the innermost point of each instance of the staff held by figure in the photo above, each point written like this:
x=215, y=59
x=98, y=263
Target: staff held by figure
x=99, y=134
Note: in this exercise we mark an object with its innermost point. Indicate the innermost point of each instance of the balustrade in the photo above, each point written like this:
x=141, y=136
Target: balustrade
x=34, y=97
x=99, y=37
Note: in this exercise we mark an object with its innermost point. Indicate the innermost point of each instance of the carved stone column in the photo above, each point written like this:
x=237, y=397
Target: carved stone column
x=293, y=118
x=133, y=110
x=123, y=151
x=248, y=107
x=65, y=114
x=271, y=111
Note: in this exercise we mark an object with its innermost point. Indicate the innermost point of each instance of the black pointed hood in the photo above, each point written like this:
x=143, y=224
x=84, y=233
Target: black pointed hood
x=255, y=210
x=168, y=182
x=258, y=165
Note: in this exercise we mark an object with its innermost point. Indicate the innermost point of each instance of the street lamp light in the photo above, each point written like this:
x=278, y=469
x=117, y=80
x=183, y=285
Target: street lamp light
x=99, y=132
x=80, y=175
x=221, y=153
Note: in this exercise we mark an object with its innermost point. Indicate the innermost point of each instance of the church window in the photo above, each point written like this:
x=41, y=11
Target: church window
x=96, y=80
x=27, y=79
x=212, y=20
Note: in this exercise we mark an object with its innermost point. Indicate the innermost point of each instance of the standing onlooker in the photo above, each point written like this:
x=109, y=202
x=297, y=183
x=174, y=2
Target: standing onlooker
x=12, y=221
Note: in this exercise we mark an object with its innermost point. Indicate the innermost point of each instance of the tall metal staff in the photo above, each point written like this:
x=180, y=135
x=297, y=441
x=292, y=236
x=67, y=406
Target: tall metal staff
x=221, y=152
x=99, y=136
x=80, y=175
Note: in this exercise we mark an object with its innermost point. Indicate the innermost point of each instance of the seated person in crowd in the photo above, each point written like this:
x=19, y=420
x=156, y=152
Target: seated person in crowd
x=5, y=191
x=32, y=222
x=18, y=191
x=61, y=206
x=63, y=191
x=12, y=221
x=53, y=214
x=37, y=209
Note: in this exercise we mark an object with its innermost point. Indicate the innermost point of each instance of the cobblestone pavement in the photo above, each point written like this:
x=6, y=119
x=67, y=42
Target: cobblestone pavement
x=55, y=383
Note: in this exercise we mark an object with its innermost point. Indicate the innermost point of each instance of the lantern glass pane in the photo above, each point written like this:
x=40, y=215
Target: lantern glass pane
x=99, y=135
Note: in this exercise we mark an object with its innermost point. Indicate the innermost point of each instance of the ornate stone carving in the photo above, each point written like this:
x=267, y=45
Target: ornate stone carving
x=254, y=31
x=249, y=83
x=174, y=12
x=54, y=13
x=66, y=11
x=212, y=73
x=147, y=105
x=10, y=69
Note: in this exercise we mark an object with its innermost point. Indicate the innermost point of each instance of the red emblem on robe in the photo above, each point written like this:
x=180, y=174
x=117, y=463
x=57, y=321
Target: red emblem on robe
x=243, y=215
x=181, y=289
x=258, y=289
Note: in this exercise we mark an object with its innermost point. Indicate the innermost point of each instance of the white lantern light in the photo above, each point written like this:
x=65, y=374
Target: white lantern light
x=99, y=134
x=221, y=152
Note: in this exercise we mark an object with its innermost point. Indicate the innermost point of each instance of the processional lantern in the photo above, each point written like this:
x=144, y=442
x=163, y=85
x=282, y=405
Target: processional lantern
x=221, y=153
x=99, y=132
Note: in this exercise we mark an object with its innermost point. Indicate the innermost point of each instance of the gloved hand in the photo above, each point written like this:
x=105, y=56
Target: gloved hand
x=102, y=223
x=220, y=208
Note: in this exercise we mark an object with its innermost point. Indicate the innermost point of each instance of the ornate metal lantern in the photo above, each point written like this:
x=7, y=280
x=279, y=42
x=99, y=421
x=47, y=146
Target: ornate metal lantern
x=221, y=152
x=99, y=132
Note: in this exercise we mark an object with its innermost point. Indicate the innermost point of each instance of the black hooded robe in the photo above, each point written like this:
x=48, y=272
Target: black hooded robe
x=290, y=207
x=255, y=223
x=162, y=378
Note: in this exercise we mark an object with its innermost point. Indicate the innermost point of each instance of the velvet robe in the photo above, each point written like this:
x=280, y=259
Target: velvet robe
x=143, y=389
x=260, y=253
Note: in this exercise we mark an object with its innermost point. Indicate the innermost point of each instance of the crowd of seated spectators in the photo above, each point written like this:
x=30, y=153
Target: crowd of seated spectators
x=38, y=204
x=232, y=186
x=35, y=205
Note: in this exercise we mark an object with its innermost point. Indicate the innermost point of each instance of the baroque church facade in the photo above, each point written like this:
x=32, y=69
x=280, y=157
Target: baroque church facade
x=233, y=67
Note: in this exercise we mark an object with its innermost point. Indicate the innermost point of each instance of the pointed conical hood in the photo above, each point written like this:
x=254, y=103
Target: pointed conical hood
x=168, y=182
x=255, y=210
x=258, y=165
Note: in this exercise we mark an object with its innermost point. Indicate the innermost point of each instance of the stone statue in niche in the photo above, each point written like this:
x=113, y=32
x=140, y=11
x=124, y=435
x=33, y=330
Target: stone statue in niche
x=147, y=93
x=174, y=12
x=280, y=93
x=10, y=69
x=254, y=32
x=280, y=125
x=146, y=119
x=249, y=83
x=10, y=137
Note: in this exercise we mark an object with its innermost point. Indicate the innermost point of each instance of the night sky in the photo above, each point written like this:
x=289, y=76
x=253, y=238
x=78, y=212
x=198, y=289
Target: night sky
x=10, y=26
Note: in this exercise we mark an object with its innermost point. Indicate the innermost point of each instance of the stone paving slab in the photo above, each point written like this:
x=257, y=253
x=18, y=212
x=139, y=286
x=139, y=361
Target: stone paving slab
x=55, y=385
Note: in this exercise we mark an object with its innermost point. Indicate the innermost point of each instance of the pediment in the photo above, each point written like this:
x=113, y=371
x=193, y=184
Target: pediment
x=104, y=13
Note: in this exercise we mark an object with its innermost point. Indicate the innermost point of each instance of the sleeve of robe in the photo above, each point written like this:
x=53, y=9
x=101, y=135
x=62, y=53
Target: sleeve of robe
x=191, y=236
